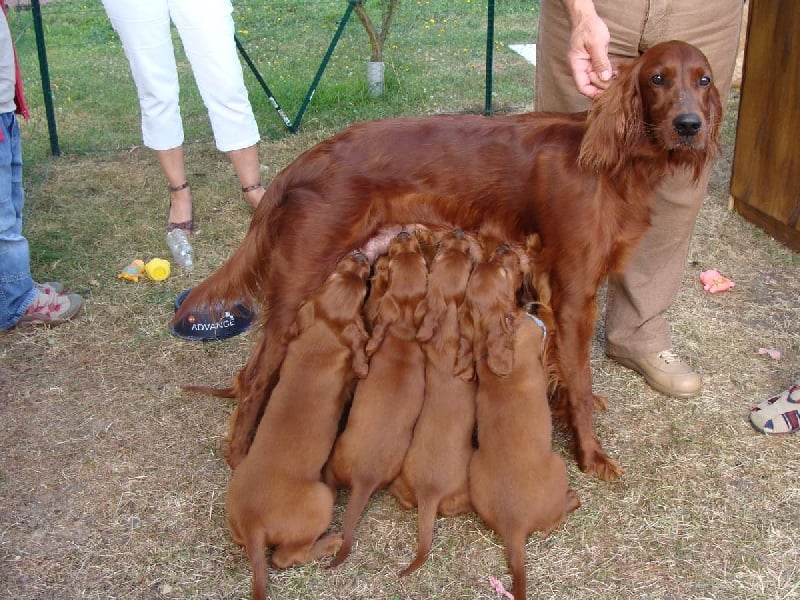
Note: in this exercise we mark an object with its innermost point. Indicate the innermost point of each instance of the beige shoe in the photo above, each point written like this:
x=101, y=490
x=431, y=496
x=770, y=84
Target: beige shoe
x=665, y=372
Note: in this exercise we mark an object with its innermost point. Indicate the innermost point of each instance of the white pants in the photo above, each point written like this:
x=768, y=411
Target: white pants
x=206, y=30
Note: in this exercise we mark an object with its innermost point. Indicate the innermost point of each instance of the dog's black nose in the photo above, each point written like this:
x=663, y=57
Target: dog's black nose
x=687, y=124
x=403, y=235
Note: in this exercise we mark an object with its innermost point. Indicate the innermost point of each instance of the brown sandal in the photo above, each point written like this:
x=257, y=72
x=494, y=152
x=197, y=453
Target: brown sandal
x=185, y=225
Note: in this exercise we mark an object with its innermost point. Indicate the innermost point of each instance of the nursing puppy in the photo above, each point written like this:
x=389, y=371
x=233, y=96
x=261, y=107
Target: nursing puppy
x=434, y=473
x=517, y=483
x=369, y=453
x=276, y=496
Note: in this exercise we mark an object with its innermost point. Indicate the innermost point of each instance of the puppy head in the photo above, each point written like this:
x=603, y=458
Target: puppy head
x=491, y=300
x=447, y=284
x=355, y=263
x=340, y=298
x=510, y=259
x=403, y=242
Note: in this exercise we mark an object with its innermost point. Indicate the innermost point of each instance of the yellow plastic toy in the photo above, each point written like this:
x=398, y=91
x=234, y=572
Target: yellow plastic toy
x=133, y=271
x=157, y=269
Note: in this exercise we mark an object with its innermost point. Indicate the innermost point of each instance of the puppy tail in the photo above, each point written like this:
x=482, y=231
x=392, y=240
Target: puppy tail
x=228, y=392
x=359, y=496
x=238, y=279
x=515, y=554
x=426, y=518
x=256, y=550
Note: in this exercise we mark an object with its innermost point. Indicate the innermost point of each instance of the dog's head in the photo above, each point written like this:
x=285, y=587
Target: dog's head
x=340, y=299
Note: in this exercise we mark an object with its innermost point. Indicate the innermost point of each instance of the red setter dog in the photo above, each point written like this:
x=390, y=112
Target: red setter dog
x=434, y=474
x=582, y=181
x=369, y=453
x=517, y=484
x=276, y=496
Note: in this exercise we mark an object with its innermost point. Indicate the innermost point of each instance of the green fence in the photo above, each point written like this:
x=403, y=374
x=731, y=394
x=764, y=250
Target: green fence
x=436, y=61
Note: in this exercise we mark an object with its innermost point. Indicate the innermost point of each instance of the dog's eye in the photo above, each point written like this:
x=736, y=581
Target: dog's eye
x=657, y=80
x=704, y=81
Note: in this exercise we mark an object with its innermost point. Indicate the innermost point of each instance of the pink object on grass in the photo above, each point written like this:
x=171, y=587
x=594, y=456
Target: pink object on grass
x=714, y=282
x=771, y=352
x=498, y=587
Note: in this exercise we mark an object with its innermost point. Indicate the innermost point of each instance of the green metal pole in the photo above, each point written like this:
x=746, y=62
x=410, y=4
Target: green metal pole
x=45, y=73
x=489, y=57
x=350, y=6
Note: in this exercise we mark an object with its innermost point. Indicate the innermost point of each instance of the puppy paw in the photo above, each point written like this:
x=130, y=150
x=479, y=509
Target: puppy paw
x=599, y=402
x=327, y=545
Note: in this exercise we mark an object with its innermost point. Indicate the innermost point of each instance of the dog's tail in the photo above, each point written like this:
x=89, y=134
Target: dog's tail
x=239, y=278
x=256, y=551
x=359, y=496
x=426, y=518
x=228, y=392
x=515, y=555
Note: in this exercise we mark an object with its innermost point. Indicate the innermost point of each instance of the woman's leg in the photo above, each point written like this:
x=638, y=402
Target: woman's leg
x=207, y=31
x=144, y=29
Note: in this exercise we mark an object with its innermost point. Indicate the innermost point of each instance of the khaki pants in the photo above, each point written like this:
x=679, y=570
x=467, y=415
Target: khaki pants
x=636, y=299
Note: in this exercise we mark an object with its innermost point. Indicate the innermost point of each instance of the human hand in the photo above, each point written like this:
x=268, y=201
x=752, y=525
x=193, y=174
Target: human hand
x=588, y=55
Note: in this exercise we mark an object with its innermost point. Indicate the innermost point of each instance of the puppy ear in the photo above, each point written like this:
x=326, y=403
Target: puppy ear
x=305, y=318
x=428, y=326
x=377, y=288
x=431, y=309
x=499, y=344
x=464, y=367
x=388, y=312
x=614, y=123
x=355, y=336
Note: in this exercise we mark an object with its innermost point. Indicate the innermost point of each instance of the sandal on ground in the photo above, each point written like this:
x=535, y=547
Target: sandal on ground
x=779, y=415
x=185, y=225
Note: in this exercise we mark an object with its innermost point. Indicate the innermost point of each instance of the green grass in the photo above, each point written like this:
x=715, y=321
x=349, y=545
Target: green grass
x=435, y=60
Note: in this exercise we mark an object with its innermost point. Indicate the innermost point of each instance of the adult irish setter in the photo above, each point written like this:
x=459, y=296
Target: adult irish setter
x=583, y=182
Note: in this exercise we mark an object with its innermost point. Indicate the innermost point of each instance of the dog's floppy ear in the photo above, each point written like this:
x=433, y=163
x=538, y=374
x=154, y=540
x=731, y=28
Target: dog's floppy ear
x=500, y=344
x=377, y=288
x=614, y=123
x=304, y=320
x=388, y=312
x=428, y=326
x=430, y=311
x=464, y=367
x=355, y=337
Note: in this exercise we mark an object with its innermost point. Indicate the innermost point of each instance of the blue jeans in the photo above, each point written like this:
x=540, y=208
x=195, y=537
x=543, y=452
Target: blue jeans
x=17, y=289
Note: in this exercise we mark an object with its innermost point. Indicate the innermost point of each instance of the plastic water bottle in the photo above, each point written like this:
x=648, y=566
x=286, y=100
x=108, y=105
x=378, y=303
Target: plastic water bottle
x=181, y=248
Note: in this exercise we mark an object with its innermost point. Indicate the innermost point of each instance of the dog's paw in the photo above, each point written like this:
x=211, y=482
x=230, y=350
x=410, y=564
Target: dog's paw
x=600, y=402
x=600, y=465
x=327, y=545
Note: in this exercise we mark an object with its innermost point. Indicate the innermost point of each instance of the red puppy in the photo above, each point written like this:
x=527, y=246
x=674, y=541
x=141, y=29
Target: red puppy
x=517, y=483
x=369, y=453
x=434, y=474
x=276, y=496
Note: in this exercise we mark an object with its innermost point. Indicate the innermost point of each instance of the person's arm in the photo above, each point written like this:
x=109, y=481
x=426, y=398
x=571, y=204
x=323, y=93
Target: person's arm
x=588, y=53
